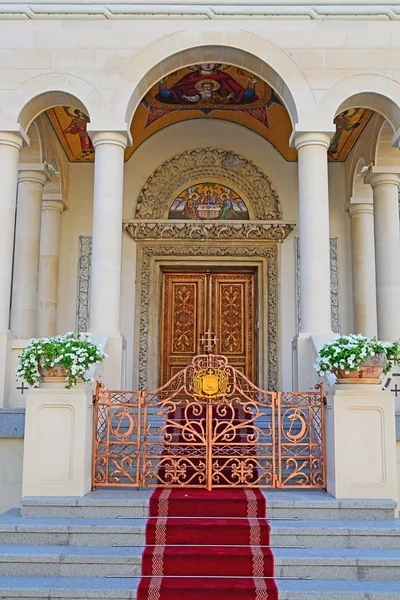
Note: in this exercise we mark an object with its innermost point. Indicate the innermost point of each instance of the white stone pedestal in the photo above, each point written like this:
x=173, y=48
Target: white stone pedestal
x=58, y=442
x=361, y=443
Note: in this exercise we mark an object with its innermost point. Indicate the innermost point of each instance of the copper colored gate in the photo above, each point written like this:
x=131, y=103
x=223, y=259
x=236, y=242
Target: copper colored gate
x=209, y=426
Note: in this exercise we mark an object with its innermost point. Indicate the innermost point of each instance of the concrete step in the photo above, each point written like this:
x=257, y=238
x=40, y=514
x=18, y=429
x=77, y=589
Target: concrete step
x=98, y=561
x=51, y=588
x=337, y=534
x=303, y=504
x=69, y=561
x=338, y=563
x=15, y=529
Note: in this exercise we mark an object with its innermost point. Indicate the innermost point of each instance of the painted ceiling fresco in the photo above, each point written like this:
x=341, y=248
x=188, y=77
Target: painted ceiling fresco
x=208, y=91
x=210, y=201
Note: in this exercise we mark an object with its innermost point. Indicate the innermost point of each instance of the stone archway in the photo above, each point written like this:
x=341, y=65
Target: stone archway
x=221, y=166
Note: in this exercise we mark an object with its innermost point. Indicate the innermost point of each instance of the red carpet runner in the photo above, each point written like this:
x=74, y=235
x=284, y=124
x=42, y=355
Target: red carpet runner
x=207, y=546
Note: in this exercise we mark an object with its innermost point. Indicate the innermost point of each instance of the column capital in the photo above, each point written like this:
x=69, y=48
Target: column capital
x=53, y=205
x=309, y=138
x=361, y=208
x=8, y=138
x=383, y=175
x=114, y=138
x=36, y=176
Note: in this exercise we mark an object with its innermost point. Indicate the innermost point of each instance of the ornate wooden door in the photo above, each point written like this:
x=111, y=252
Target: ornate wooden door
x=221, y=301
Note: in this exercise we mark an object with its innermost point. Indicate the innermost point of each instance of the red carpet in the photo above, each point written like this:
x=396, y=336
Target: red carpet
x=207, y=546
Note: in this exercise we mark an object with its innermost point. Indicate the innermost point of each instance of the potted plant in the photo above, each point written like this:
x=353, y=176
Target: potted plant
x=63, y=358
x=356, y=358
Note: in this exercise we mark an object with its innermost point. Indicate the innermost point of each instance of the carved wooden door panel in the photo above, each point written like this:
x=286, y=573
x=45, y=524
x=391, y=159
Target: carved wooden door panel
x=233, y=319
x=193, y=302
x=182, y=320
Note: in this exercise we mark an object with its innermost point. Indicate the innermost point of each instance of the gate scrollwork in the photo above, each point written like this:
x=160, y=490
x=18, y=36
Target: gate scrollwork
x=208, y=427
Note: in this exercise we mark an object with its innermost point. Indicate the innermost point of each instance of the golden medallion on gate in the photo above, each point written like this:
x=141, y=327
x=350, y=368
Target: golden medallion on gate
x=210, y=383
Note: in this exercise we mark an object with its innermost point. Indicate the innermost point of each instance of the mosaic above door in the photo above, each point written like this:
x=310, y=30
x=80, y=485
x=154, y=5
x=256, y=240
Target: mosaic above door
x=208, y=201
x=208, y=91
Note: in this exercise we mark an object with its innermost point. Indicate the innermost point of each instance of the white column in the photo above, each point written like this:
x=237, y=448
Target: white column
x=314, y=232
x=10, y=145
x=26, y=253
x=385, y=186
x=364, y=280
x=107, y=233
x=48, y=268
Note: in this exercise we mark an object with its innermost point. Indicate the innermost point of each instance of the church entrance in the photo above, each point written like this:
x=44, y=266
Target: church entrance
x=197, y=300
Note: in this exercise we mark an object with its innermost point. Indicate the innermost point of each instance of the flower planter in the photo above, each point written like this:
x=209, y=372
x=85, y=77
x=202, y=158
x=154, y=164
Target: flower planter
x=56, y=374
x=370, y=371
x=355, y=358
x=59, y=361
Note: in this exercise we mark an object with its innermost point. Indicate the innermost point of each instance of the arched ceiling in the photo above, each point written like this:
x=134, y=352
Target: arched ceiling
x=209, y=91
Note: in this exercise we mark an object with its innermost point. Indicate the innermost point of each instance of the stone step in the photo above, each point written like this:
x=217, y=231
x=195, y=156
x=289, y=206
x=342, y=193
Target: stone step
x=51, y=588
x=15, y=529
x=99, y=561
x=69, y=561
x=134, y=502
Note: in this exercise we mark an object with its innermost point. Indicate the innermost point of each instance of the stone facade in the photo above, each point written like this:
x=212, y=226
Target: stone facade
x=74, y=235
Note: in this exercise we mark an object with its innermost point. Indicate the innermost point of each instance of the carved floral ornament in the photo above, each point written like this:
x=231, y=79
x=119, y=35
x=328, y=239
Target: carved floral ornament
x=206, y=164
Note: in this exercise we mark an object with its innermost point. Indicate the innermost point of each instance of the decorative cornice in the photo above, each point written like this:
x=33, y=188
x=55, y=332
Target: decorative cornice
x=164, y=229
x=208, y=165
x=184, y=9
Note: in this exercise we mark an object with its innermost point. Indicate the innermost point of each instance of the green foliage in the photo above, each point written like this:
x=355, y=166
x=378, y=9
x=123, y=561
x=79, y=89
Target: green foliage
x=76, y=352
x=348, y=352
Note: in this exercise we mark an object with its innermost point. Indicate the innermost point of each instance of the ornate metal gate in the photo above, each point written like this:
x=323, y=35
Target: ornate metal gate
x=209, y=426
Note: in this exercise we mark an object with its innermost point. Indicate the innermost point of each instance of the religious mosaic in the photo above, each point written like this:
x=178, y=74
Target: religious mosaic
x=208, y=91
x=349, y=125
x=70, y=125
x=209, y=201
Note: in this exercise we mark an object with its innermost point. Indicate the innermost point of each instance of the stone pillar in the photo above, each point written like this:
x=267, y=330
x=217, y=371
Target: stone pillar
x=26, y=253
x=48, y=268
x=314, y=232
x=315, y=318
x=58, y=441
x=364, y=280
x=385, y=186
x=361, y=443
x=10, y=145
x=107, y=233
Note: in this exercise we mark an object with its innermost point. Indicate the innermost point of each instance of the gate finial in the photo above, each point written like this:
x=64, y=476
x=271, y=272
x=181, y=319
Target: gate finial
x=208, y=340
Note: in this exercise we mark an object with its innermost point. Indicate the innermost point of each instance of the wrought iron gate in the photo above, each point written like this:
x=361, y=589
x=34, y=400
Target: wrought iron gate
x=209, y=426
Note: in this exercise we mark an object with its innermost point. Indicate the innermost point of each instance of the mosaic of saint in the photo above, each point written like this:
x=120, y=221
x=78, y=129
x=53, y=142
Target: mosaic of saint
x=208, y=91
x=349, y=125
x=70, y=126
x=210, y=201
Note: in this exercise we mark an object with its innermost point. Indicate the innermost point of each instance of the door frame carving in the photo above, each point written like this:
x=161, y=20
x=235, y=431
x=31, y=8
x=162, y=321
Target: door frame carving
x=152, y=256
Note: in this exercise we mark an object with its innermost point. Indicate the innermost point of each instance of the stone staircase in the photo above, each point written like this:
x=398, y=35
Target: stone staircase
x=84, y=547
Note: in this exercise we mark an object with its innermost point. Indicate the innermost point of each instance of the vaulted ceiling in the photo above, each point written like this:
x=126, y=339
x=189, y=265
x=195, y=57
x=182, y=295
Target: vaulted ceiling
x=208, y=91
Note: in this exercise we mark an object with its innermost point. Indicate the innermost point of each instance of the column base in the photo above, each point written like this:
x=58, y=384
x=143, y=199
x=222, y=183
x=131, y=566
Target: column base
x=361, y=443
x=113, y=370
x=305, y=348
x=58, y=442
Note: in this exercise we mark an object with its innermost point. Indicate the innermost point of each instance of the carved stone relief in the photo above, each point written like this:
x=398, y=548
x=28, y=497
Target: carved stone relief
x=270, y=253
x=334, y=277
x=84, y=265
x=208, y=164
x=208, y=230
